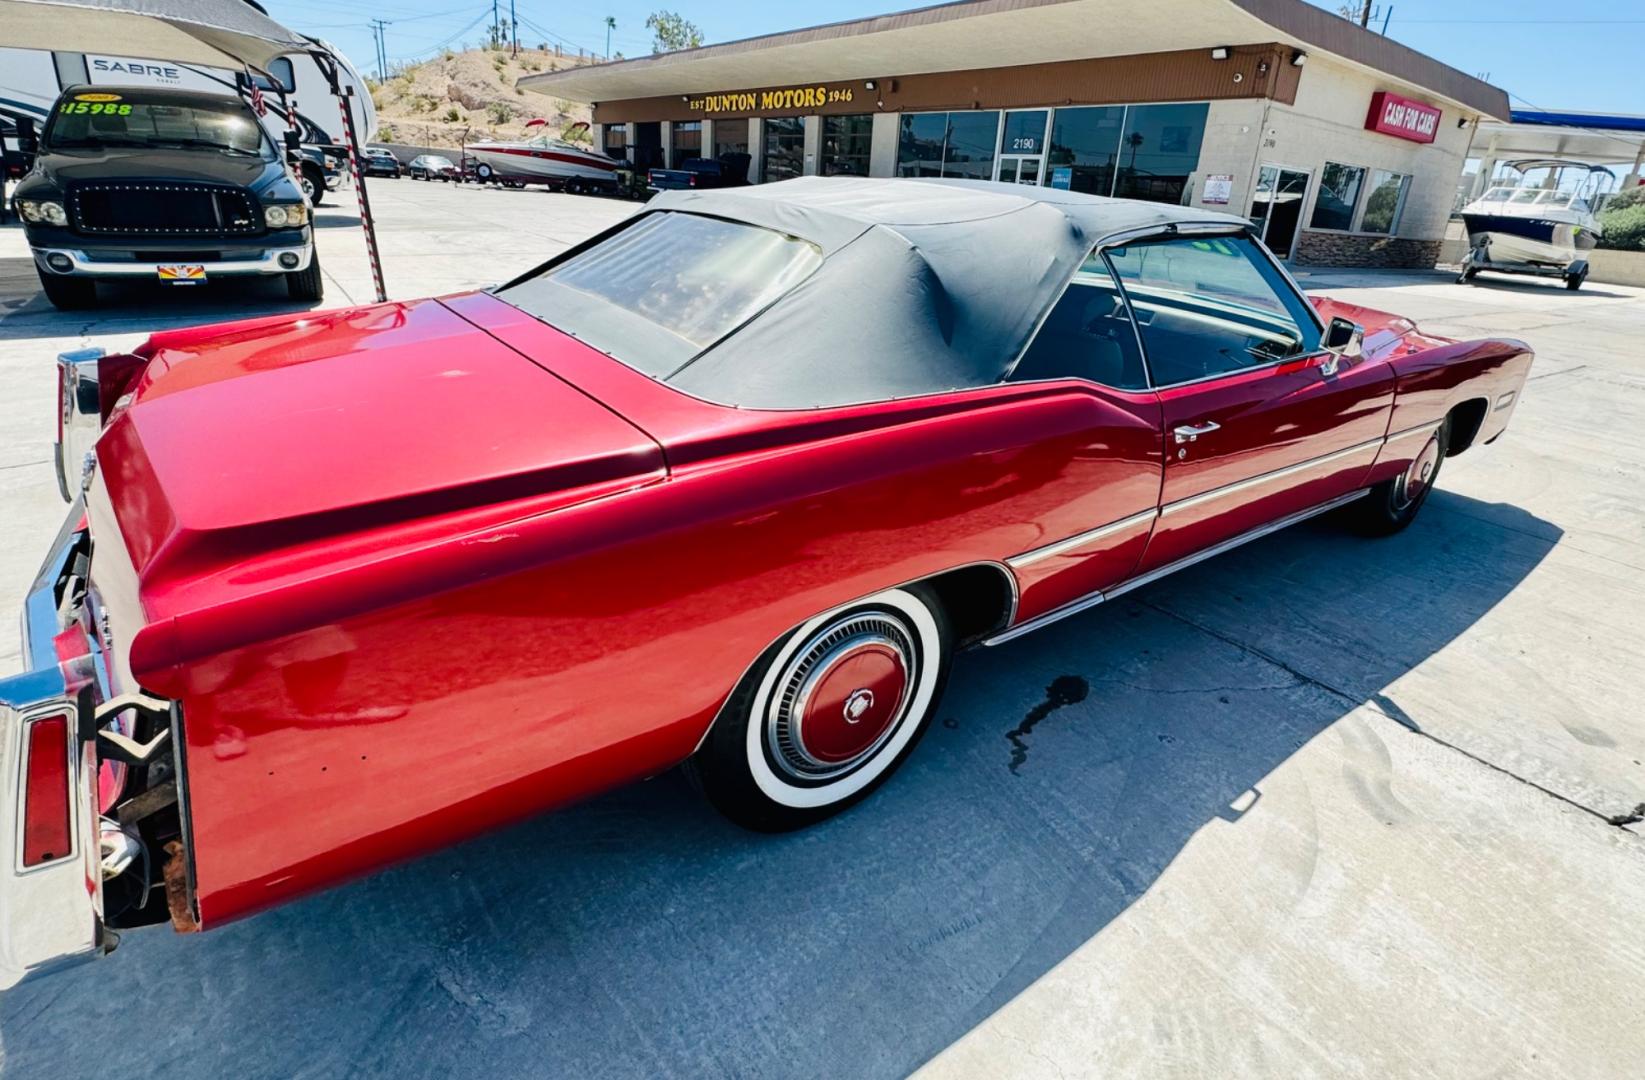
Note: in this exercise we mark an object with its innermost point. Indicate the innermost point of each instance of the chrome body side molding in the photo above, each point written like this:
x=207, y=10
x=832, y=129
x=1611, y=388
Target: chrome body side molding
x=1029, y=558
x=1091, y=600
x=1241, y=486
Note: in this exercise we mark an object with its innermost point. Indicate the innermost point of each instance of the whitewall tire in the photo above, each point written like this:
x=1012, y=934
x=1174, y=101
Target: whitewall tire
x=828, y=713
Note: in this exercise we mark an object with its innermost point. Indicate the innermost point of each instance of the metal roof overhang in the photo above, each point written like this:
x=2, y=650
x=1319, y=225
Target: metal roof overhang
x=213, y=33
x=1005, y=33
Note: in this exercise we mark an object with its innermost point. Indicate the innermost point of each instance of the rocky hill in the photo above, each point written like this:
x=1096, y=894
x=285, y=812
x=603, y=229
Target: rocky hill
x=471, y=96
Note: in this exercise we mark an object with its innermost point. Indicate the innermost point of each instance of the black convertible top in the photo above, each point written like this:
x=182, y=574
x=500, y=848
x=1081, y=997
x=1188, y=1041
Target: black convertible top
x=926, y=285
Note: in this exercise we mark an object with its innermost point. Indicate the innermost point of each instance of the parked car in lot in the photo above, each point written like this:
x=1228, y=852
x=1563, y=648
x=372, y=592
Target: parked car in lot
x=176, y=186
x=380, y=162
x=434, y=167
x=730, y=485
x=697, y=173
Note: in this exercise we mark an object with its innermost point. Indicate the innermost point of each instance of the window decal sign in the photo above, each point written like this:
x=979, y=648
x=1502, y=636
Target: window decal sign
x=1402, y=118
x=1219, y=188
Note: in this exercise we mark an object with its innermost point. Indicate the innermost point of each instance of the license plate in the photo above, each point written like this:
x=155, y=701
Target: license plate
x=183, y=274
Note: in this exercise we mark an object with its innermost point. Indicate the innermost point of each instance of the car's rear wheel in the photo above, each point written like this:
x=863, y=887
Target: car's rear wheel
x=1394, y=504
x=307, y=284
x=68, y=293
x=828, y=713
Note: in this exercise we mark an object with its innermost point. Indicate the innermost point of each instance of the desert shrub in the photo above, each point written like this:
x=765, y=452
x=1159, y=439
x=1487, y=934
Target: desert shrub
x=1627, y=197
x=1624, y=228
x=501, y=112
x=452, y=115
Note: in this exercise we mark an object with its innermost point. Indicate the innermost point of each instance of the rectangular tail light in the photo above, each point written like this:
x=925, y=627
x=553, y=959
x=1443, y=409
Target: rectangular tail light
x=46, y=808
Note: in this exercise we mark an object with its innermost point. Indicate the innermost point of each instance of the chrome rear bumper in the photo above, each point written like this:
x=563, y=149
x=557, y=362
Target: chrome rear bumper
x=51, y=914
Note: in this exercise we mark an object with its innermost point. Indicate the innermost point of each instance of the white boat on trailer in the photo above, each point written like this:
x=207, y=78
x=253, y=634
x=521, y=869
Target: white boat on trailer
x=544, y=159
x=1537, y=224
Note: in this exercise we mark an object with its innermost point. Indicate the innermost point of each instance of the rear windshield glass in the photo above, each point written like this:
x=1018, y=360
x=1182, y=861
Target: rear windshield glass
x=94, y=120
x=667, y=287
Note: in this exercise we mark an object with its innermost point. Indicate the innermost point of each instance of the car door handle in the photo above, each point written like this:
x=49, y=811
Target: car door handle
x=1190, y=432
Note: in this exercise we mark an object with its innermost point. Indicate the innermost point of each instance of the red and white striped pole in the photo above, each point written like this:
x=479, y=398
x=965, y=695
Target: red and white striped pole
x=359, y=178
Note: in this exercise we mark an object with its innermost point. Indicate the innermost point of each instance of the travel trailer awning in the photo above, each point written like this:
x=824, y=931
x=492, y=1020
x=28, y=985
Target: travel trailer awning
x=214, y=33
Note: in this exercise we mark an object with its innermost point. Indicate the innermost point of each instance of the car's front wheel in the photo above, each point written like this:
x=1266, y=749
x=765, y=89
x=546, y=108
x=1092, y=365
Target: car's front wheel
x=68, y=293
x=1394, y=504
x=828, y=713
x=307, y=284
x=313, y=184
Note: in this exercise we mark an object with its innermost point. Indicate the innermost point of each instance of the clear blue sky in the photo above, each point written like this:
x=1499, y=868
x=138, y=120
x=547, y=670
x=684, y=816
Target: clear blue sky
x=1575, y=54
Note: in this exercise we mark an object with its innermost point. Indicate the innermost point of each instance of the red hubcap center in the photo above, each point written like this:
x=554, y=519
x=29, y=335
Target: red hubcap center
x=852, y=703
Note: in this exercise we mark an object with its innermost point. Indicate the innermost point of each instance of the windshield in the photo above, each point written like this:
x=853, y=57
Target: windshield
x=89, y=120
x=662, y=290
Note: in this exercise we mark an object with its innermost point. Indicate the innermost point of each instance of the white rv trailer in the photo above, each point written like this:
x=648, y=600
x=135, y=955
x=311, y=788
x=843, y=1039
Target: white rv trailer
x=31, y=79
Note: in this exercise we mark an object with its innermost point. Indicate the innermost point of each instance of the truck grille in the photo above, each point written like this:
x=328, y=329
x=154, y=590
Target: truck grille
x=157, y=208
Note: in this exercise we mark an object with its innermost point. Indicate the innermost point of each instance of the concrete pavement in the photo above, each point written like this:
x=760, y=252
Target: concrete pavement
x=1328, y=806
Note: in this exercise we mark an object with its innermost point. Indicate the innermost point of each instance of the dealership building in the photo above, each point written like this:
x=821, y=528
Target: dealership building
x=1342, y=146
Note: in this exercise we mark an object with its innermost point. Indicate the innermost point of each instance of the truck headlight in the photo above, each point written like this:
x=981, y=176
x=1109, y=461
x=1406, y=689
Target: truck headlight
x=284, y=217
x=49, y=211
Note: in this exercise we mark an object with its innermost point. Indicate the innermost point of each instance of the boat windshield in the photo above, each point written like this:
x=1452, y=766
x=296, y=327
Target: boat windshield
x=1498, y=194
x=1554, y=198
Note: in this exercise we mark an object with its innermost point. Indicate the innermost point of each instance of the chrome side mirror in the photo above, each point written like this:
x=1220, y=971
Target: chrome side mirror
x=1342, y=340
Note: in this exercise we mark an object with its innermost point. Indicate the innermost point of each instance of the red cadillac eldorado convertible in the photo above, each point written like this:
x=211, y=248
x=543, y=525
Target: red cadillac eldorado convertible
x=727, y=485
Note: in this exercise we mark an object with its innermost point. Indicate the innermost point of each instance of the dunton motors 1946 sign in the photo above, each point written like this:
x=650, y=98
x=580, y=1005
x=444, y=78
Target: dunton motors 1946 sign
x=1402, y=118
x=760, y=101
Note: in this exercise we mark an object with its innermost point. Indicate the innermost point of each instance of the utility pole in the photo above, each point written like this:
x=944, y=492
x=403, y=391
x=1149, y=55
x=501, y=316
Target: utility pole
x=1365, y=14
x=514, y=27
x=377, y=28
x=496, y=32
x=610, y=25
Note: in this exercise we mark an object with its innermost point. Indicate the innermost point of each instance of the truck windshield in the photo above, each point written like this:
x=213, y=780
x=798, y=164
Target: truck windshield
x=91, y=120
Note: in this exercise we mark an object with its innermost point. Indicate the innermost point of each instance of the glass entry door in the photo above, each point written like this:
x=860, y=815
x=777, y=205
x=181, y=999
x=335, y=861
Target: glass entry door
x=1276, y=207
x=1021, y=170
x=1022, y=146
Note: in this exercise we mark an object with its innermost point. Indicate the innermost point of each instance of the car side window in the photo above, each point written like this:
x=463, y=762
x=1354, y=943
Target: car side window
x=1087, y=335
x=1210, y=305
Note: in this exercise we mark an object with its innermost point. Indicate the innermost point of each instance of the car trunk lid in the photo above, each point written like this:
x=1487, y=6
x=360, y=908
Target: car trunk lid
x=276, y=432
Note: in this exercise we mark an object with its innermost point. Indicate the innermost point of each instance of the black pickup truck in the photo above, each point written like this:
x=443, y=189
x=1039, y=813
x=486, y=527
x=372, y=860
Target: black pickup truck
x=695, y=174
x=178, y=186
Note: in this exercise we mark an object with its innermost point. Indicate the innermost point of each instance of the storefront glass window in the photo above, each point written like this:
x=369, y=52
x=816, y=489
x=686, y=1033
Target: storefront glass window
x=1338, y=195
x=1160, y=151
x=920, y=142
x=845, y=144
x=948, y=144
x=784, y=148
x=1084, y=146
x=1383, y=201
x=970, y=148
x=730, y=137
x=616, y=140
x=688, y=140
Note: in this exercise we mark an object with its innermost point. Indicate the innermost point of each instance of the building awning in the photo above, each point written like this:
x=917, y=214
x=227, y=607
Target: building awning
x=1000, y=33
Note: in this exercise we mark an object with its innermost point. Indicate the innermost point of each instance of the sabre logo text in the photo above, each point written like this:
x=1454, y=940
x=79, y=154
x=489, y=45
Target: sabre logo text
x=136, y=67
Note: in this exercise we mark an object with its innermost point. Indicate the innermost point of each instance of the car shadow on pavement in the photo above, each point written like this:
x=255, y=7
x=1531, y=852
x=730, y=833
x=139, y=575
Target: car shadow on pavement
x=641, y=935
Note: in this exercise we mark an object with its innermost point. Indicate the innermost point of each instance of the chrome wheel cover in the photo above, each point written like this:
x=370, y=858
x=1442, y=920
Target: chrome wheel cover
x=794, y=748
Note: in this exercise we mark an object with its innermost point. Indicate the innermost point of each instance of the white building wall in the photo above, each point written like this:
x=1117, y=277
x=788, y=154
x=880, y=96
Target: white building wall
x=1327, y=123
x=813, y=145
x=882, y=146
x=1233, y=130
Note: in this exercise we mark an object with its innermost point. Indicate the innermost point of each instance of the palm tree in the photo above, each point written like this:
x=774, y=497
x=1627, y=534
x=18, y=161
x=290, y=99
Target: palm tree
x=610, y=25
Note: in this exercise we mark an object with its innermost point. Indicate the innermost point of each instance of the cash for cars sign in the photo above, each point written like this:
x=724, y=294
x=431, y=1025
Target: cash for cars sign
x=762, y=101
x=1402, y=118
